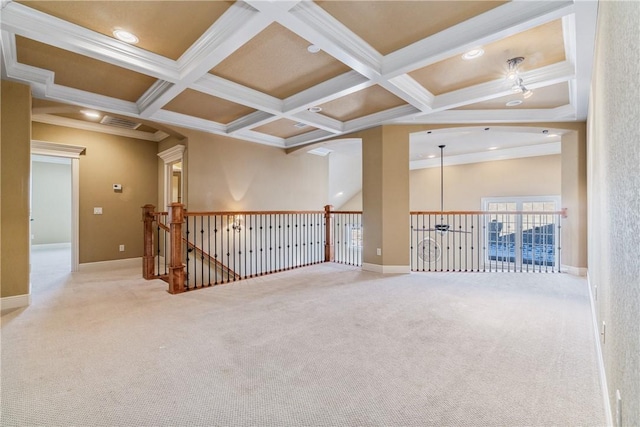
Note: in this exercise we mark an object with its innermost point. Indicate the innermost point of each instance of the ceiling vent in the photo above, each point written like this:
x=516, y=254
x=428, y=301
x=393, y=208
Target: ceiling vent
x=300, y=125
x=119, y=122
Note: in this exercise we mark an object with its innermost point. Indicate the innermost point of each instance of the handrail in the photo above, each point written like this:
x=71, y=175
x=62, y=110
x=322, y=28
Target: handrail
x=562, y=212
x=231, y=213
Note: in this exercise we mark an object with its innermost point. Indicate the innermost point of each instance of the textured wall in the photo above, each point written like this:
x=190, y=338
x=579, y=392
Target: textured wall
x=15, y=148
x=229, y=174
x=110, y=159
x=614, y=200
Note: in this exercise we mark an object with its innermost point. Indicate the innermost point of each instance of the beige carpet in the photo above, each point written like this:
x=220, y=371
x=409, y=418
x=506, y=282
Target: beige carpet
x=326, y=345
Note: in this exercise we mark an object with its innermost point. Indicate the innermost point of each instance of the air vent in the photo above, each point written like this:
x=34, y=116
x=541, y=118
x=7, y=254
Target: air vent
x=299, y=125
x=120, y=123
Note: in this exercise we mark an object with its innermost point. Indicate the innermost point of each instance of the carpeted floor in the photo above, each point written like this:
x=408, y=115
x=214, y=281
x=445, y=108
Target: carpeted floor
x=326, y=345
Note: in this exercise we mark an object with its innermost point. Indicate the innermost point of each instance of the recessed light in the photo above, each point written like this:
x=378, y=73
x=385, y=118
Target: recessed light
x=513, y=103
x=431, y=156
x=125, y=36
x=493, y=148
x=315, y=109
x=339, y=194
x=487, y=128
x=473, y=53
x=91, y=114
x=312, y=48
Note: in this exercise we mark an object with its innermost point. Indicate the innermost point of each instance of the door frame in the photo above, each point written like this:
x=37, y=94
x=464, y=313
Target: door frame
x=72, y=152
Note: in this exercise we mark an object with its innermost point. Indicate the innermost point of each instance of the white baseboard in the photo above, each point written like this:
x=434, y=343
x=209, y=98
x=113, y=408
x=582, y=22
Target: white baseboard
x=387, y=269
x=574, y=271
x=600, y=357
x=110, y=265
x=17, y=301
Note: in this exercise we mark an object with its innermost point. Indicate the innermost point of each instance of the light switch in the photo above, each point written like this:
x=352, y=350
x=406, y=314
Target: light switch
x=97, y=211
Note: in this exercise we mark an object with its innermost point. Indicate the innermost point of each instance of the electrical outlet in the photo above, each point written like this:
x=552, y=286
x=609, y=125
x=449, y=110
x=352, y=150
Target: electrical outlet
x=121, y=248
x=97, y=211
x=379, y=251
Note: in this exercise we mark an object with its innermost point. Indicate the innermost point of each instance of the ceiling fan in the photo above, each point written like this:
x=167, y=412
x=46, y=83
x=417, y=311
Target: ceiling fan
x=442, y=228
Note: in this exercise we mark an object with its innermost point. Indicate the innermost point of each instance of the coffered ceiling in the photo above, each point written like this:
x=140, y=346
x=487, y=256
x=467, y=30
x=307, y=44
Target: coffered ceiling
x=244, y=69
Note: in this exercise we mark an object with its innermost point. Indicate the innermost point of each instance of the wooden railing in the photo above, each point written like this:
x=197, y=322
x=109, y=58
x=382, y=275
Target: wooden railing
x=192, y=250
x=504, y=241
x=211, y=248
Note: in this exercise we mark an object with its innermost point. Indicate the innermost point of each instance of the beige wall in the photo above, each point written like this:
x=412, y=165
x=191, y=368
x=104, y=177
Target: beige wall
x=15, y=158
x=228, y=174
x=109, y=160
x=465, y=185
x=614, y=201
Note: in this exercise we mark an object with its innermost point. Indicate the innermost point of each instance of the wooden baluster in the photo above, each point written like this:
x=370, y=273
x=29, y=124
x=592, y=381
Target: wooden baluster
x=328, y=243
x=176, y=266
x=148, y=256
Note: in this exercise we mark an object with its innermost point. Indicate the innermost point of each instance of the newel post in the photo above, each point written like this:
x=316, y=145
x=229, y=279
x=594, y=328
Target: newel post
x=148, y=256
x=328, y=237
x=176, y=267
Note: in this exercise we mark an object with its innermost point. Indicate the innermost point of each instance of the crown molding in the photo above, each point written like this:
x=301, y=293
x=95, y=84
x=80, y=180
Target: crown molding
x=411, y=91
x=253, y=120
x=47, y=148
x=28, y=22
x=339, y=86
x=313, y=23
x=503, y=21
x=559, y=114
x=234, y=92
x=379, y=118
x=172, y=154
x=490, y=156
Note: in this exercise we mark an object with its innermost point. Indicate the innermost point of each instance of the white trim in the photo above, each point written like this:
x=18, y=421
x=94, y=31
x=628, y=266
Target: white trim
x=46, y=148
x=599, y=355
x=17, y=301
x=111, y=265
x=574, y=271
x=386, y=269
x=73, y=152
x=172, y=154
x=170, y=157
x=46, y=246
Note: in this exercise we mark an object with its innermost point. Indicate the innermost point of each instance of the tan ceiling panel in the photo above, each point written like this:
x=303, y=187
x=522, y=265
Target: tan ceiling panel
x=545, y=97
x=390, y=25
x=360, y=104
x=540, y=46
x=207, y=107
x=276, y=62
x=167, y=28
x=283, y=128
x=80, y=72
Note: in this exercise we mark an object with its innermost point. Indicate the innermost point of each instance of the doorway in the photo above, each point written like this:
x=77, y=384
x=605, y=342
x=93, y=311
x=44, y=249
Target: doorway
x=51, y=212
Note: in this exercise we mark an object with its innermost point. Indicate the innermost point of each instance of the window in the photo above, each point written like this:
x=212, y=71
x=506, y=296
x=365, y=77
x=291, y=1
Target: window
x=519, y=237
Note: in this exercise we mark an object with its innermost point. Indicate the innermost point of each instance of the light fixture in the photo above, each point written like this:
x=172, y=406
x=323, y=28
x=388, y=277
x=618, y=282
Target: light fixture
x=125, y=36
x=237, y=223
x=431, y=156
x=315, y=109
x=512, y=74
x=312, y=48
x=91, y=114
x=473, y=53
x=493, y=148
x=512, y=71
x=514, y=102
